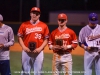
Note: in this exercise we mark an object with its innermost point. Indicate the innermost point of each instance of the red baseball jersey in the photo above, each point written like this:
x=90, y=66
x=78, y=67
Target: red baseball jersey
x=68, y=36
x=33, y=33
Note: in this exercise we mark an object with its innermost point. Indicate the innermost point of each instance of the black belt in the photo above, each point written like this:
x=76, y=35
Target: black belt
x=94, y=49
x=62, y=52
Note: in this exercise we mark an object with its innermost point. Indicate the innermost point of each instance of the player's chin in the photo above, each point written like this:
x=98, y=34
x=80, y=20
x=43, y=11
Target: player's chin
x=61, y=25
x=34, y=18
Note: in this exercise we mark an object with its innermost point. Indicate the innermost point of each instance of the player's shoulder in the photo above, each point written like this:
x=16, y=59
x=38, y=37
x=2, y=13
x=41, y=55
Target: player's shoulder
x=7, y=26
x=98, y=25
x=83, y=28
x=70, y=30
x=54, y=31
x=43, y=23
x=25, y=23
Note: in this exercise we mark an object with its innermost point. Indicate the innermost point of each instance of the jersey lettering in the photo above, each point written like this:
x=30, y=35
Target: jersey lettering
x=62, y=36
x=98, y=42
x=90, y=38
x=30, y=30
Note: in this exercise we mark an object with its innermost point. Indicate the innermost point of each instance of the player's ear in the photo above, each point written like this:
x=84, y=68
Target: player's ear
x=66, y=21
x=39, y=15
x=30, y=14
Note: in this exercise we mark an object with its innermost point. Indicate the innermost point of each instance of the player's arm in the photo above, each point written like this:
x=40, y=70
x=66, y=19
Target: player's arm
x=51, y=43
x=54, y=47
x=10, y=38
x=20, y=34
x=71, y=46
x=39, y=49
x=46, y=37
x=44, y=44
x=74, y=42
x=20, y=40
x=84, y=46
x=45, y=40
x=82, y=42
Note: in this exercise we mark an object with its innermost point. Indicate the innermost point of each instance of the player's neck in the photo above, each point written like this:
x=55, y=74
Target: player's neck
x=62, y=27
x=34, y=21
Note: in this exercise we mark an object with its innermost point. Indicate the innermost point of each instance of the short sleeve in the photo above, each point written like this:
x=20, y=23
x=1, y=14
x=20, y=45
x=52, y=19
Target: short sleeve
x=46, y=34
x=21, y=30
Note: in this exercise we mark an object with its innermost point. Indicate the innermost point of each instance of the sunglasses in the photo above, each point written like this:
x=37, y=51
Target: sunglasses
x=61, y=20
x=36, y=13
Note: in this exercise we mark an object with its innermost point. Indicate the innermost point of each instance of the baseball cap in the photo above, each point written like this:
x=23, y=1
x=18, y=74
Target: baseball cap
x=35, y=9
x=93, y=18
x=1, y=17
x=62, y=16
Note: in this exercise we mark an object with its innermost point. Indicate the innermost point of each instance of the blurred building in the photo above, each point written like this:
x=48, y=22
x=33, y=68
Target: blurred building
x=74, y=17
x=19, y=10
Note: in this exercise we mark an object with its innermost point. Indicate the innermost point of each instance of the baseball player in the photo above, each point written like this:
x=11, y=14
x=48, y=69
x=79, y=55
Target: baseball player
x=89, y=39
x=6, y=40
x=62, y=41
x=33, y=37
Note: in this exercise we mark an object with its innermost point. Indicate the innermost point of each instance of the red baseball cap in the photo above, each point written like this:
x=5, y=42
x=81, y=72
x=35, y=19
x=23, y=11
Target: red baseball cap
x=62, y=16
x=35, y=9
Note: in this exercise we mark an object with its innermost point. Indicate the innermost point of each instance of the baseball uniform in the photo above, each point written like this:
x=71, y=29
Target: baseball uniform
x=33, y=33
x=91, y=37
x=62, y=60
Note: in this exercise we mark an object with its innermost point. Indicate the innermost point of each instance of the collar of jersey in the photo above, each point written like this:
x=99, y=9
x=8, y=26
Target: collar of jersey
x=62, y=29
x=35, y=23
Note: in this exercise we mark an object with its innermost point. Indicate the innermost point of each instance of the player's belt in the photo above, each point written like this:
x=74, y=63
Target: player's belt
x=94, y=49
x=62, y=52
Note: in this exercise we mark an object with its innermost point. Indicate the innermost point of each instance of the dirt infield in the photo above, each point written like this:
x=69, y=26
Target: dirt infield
x=77, y=51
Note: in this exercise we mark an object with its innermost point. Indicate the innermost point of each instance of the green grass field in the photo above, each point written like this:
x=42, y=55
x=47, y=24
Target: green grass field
x=15, y=61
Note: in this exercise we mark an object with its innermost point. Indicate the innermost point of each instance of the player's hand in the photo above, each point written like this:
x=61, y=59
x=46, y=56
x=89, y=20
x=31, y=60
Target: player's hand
x=37, y=50
x=88, y=48
x=57, y=47
x=67, y=47
x=1, y=46
x=64, y=47
x=26, y=49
